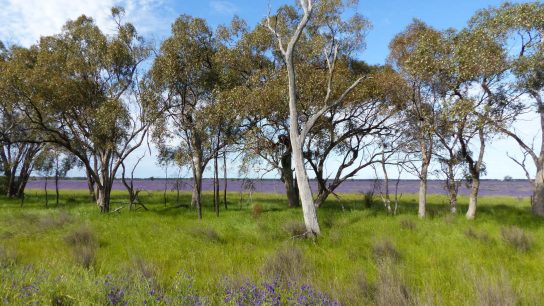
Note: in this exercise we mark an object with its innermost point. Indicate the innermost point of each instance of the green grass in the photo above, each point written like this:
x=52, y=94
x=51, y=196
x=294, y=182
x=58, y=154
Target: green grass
x=72, y=254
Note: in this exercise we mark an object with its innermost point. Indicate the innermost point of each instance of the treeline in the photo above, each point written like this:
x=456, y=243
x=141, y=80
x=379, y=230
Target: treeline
x=289, y=95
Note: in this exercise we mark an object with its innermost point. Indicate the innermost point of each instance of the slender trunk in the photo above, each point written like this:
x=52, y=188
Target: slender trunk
x=452, y=189
x=46, y=195
x=225, y=179
x=165, y=185
x=387, y=198
x=57, y=188
x=91, y=186
x=423, y=188
x=322, y=197
x=196, y=199
x=216, y=185
x=473, y=198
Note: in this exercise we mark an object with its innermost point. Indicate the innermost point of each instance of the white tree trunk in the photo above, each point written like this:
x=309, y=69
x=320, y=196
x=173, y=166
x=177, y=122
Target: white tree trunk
x=538, y=193
x=473, y=198
x=422, y=204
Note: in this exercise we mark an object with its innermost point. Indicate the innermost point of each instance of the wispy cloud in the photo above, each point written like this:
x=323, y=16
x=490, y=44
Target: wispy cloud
x=23, y=22
x=223, y=7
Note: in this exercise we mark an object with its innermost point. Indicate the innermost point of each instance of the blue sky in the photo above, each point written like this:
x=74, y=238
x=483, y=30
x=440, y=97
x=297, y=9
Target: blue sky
x=23, y=21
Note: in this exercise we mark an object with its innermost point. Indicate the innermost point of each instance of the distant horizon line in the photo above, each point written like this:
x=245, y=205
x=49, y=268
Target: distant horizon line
x=151, y=178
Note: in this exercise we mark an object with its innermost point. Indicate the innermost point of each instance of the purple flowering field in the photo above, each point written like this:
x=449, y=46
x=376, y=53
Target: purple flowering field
x=516, y=188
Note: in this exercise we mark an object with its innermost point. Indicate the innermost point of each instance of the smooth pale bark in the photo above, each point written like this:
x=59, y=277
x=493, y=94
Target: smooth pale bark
x=538, y=193
x=307, y=201
x=196, y=199
x=422, y=204
x=296, y=137
x=473, y=198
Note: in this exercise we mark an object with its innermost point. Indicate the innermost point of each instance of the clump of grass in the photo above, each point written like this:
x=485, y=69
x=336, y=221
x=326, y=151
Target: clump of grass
x=361, y=291
x=287, y=264
x=494, y=291
x=295, y=228
x=84, y=246
x=51, y=221
x=368, y=199
x=144, y=268
x=62, y=300
x=474, y=234
x=517, y=238
x=328, y=221
x=257, y=210
x=206, y=233
x=390, y=287
x=408, y=224
x=7, y=257
x=385, y=250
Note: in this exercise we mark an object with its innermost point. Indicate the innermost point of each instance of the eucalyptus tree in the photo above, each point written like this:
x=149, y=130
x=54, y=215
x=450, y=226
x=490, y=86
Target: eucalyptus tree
x=519, y=29
x=18, y=149
x=185, y=79
x=78, y=89
x=351, y=132
x=319, y=29
x=413, y=52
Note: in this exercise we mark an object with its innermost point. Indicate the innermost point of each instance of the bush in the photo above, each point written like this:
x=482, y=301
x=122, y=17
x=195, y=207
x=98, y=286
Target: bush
x=206, y=233
x=368, y=199
x=390, y=287
x=286, y=264
x=385, y=250
x=257, y=211
x=482, y=236
x=84, y=246
x=517, y=238
x=408, y=224
x=295, y=228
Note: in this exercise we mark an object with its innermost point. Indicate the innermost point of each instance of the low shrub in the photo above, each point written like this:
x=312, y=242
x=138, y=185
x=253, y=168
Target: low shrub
x=385, y=250
x=390, y=287
x=257, y=210
x=286, y=264
x=295, y=228
x=206, y=233
x=474, y=234
x=408, y=224
x=517, y=238
x=84, y=246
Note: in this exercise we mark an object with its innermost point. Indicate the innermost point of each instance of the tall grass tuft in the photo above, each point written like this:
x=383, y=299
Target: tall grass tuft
x=390, y=287
x=517, y=238
x=385, y=250
x=286, y=264
x=295, y=228
x=84, y=246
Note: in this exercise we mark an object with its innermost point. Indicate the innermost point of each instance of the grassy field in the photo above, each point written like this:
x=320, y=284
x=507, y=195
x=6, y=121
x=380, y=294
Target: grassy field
x=251, y=253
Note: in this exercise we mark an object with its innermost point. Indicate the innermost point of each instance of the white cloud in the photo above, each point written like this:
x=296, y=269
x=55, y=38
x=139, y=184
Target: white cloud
x=23, y=22
x=223, y=7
